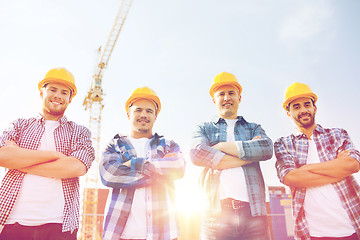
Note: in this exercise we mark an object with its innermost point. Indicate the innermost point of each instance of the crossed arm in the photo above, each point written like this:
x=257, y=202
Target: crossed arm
x=313, y=175
x=43, y=163
x=231, y=159
x=117, y=171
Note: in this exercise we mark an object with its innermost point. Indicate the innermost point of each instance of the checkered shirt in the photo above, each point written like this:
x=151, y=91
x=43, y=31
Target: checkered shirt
x=157, y=174
x=202, y=154
x=70, y=139
x=291, y=152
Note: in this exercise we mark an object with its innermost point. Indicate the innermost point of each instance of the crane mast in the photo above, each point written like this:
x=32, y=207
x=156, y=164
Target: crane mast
x=93, y=102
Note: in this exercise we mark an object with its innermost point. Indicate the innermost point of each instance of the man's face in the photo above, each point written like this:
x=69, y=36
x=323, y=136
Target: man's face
x=55, y=100
x=302, y=111
x=227, y=99
x=142, y=116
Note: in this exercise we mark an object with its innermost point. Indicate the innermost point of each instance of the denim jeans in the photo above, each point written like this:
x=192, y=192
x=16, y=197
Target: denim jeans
x=235, y=225
x=50, y=231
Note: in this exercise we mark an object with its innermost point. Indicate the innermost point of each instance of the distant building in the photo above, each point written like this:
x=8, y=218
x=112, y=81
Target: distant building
x=280, y=215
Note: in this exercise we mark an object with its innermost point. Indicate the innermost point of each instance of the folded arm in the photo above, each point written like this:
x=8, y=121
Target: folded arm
x=312, y=175
x=14, y=157
x=65, y=167
x=139, y=172
x=170, y=166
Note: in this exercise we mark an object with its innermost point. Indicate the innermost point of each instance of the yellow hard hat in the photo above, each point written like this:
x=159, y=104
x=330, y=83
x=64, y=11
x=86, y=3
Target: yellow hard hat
x=143, y=93
x=222, y=79
x=60, y=75
x=297, y=90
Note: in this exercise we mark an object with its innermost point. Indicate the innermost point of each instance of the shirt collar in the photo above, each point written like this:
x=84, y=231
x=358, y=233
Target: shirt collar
x=155, y=139
x=41, y=119
x=218, y=119
x=298, y=134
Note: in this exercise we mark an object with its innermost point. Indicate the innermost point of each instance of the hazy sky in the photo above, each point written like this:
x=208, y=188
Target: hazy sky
x=176, y=48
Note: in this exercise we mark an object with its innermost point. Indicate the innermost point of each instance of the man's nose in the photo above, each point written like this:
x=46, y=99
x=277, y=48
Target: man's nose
x=304, y=110
x=143, y=114
x=57, y=95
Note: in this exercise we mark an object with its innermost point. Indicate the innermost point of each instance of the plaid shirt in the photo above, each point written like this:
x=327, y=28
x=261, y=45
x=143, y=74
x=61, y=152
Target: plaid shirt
x=202, y=154
x=70, y=139
x=291, y=152
x=157, y=174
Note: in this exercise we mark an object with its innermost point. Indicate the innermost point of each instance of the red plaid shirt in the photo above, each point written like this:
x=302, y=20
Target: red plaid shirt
x=291, y=153
x=70, y=139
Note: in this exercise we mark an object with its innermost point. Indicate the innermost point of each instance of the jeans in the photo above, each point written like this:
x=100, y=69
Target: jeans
x=235, y=225
x=50, y=231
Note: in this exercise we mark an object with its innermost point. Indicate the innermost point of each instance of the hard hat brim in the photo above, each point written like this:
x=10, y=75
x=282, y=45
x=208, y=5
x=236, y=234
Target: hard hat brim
x=215, y=86
x=305, y=95
x=139, y=96
x=57, y=80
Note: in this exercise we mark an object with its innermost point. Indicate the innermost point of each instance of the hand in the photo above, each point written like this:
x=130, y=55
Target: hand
x=11, y=143
x=256, y=138
x=344, y=153
x=127, y=163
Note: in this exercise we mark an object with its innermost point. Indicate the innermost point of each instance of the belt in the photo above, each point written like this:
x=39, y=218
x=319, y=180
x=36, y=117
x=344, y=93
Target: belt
x=230, y=203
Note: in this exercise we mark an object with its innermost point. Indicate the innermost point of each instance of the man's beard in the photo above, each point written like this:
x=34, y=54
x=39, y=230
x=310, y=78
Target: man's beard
x=308, y=123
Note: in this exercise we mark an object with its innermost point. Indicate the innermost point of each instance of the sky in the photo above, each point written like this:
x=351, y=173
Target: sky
x=176, y=48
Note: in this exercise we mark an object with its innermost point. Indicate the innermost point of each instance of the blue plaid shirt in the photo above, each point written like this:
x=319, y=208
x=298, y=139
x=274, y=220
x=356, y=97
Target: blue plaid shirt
x=202, y=154
x=157, y=174
x=291, y=152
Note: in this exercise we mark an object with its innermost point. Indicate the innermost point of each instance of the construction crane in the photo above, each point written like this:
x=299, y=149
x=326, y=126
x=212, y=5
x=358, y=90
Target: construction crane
x=93, y=102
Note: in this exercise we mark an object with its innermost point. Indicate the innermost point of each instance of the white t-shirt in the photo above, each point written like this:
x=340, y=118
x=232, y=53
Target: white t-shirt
x=232, y=181
x=41, y=199
x=135, y=227
x=324, y=212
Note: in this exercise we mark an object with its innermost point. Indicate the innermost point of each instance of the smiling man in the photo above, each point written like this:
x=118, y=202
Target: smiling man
x=44, y=155
x=317, y=164
x=140, y=168
x=230, y=149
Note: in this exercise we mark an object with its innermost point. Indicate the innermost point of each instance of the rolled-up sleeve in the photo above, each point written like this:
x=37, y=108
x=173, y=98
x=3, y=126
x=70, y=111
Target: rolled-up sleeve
x=256, y=150
x=284, y=160
x=201, y=153
x=348, y=145
x=115, y=174
x=170, y=163
x=83, y=149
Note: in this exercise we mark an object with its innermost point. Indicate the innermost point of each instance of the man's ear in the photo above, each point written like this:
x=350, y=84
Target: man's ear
x=239, y=98
x=128, y=115
x=213, y=100
x=42, y=92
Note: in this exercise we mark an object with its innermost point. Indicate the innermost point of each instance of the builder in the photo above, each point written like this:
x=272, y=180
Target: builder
x=141, y=168
x=44, y=155
x=230, y=149
x=318, y=164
